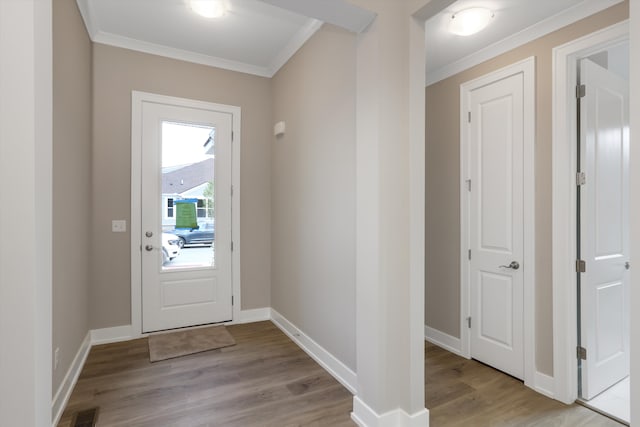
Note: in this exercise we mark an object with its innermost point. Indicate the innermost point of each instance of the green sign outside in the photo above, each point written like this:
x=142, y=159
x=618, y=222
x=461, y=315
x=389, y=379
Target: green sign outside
x=186, y=213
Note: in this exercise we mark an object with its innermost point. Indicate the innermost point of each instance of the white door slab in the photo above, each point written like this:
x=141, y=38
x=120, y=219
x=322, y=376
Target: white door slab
x=496, y=231
x=196, y=287
x=604, y=228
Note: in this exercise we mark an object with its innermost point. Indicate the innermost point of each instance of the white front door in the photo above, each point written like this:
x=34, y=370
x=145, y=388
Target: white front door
x=604, y=228
x=496, y=233
x=185, y=239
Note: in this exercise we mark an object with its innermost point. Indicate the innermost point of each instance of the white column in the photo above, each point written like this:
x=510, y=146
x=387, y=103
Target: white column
x=390, y=218
x=25, y=217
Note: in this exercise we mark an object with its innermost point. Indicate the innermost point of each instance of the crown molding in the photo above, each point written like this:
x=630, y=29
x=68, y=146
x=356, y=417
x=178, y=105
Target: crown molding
x=296, y=42
x=180, y=54
x=568, y=16
x=110, y=39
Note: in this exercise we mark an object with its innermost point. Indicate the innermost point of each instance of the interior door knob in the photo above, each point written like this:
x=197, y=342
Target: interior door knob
x=514, y=265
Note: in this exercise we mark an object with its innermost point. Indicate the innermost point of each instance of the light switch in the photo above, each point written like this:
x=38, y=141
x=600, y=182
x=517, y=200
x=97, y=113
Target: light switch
x=119, y=225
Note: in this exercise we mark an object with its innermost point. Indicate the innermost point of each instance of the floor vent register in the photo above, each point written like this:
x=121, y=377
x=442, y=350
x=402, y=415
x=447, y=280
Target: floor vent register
x=86, y=418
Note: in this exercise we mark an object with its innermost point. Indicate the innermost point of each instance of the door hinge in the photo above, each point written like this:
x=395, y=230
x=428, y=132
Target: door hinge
x=581, y=266
x=232, y=246
x=581, y=353
x=469, y=254
x=581, y=178
x=231, y=299
x=231, y=136
x=469, y=322
x=232, y=191
x=469, y=116
x=581, y=91
x=468, y=184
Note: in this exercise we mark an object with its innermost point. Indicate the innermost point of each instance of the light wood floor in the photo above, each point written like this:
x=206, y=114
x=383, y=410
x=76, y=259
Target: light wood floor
x=266, y=380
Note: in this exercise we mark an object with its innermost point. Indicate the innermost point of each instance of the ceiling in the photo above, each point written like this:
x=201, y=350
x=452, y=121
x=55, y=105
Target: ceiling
x=257, y=37
x=515, y=22
x=253, y=37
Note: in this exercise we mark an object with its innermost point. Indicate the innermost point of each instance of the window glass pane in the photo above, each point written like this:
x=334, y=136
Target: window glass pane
x=188, y=233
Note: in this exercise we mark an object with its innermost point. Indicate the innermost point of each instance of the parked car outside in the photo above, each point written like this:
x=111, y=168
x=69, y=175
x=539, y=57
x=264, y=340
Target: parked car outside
x=170, y=247
x=203, y=234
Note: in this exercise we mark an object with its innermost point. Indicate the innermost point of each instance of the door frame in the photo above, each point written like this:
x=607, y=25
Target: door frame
x=564, y=210
x=137, y=99
x=527, y=68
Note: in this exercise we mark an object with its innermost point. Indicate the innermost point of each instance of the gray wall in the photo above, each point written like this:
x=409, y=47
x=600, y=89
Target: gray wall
x=443, y=183
x=116, y=73
x=71, y=182
x=313, y=192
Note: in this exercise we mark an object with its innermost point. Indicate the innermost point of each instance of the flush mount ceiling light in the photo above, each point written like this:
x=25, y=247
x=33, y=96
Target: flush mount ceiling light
x=470, y=21
x=209, y=8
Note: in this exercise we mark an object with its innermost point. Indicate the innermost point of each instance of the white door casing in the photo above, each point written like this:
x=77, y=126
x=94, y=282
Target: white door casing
x=497, y=134
x=604, y=228
x=564, y=249
x=170, y=298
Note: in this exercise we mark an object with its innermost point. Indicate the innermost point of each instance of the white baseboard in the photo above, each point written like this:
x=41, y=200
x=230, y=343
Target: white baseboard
x=110, y=335
x=68, y=383
x=364, y=416
x=330, y=363
x=446, y=341
x=254, y=315
x=545, y=384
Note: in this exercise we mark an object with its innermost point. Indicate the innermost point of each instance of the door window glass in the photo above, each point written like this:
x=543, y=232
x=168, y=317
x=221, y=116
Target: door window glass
x=188, y=208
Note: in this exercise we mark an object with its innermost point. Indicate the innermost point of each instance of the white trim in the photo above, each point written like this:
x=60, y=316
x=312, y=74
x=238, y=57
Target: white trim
x=137, y=98
x=65, y=388
x=527, y=68
x=364, y=416
x=443, y=340
x=281, y=58
x=179, y=54
x=254, y=315
x=564, y=155
x=236, y=182
x=111, y=335
x=328, y=361
x=294, y=44
x=88, y=17
x=545, y=384
x=566, y=17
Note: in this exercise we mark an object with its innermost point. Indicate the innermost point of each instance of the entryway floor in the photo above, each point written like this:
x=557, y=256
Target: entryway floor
x=614, y=401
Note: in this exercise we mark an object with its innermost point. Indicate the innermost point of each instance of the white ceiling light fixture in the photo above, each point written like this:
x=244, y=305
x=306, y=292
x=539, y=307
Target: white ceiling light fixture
x=470, y=21
x=209, y=8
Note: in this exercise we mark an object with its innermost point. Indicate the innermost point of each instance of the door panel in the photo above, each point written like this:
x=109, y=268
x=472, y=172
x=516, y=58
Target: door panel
x=495, y=325
x=496, y=224
x=604, y=242
x=185, y=192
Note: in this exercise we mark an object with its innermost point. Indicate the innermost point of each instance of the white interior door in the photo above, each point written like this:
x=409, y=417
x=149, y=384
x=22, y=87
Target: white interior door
x=496, y=229
x=604, y=228
x=182, y=184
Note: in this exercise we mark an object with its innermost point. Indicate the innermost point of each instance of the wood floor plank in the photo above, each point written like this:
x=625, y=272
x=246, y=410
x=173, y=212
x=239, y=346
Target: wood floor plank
x=265, y=380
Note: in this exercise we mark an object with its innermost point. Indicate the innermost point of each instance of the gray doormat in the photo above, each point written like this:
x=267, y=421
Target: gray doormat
x=182, y=343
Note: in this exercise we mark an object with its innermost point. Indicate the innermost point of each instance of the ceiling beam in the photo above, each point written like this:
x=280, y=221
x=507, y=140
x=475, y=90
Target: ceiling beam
x=432, y=8
x=336, y=12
